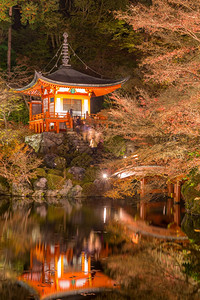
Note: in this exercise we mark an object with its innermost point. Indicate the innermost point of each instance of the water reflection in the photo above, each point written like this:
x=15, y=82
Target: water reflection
x=156, y=219
x=54, y=271
x=56, y=250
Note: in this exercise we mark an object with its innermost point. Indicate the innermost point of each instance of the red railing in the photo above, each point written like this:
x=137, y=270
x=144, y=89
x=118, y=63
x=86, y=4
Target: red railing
x=49, y=115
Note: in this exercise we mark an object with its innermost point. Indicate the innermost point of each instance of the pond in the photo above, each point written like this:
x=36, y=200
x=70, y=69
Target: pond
x=55, y=250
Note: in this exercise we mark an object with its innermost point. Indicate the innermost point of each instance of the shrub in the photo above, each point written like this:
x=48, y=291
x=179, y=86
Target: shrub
x=89, y=189
x=116, y=146
x=91, y=174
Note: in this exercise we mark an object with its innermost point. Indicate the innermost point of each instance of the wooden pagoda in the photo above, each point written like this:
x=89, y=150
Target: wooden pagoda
x=63, y=94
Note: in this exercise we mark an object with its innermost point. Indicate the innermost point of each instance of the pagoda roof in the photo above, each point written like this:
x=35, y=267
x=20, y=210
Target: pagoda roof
x=67, y=76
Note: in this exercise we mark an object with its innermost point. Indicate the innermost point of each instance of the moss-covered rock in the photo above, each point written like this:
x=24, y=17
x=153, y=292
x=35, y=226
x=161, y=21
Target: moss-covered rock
x=34, y=141
x=55, y=172
x=40, y=172
x=191, y=226
x=191, y=192
x=89, y=189
x=40, y=184
x=75, y=192
x=54, y=182
x=82, y=160
x=59, y=163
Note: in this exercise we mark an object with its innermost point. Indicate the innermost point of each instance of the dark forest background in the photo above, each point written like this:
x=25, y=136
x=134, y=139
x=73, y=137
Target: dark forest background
x=105, y=44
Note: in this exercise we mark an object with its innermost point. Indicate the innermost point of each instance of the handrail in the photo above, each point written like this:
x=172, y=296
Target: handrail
x=63, y=115
x=50, y=115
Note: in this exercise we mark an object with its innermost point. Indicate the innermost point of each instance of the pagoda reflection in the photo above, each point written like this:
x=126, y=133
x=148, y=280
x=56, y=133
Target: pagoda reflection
x=54, y=272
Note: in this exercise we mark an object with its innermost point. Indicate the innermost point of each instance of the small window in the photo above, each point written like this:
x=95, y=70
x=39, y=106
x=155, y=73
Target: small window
x=51, y=100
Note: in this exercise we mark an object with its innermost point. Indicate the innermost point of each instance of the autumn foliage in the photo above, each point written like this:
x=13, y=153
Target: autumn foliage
x=17, y=163
x=164, y=120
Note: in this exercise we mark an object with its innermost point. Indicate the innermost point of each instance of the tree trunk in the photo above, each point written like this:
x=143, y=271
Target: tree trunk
x=9, y=44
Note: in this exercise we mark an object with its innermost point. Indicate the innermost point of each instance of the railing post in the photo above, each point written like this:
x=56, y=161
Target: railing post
x=57, y=126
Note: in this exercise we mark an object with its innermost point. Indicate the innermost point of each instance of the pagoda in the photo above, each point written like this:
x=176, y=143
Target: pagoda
x=59, y=96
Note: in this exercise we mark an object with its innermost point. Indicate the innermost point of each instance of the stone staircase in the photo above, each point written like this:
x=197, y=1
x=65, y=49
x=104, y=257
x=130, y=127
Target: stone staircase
x=78, y=142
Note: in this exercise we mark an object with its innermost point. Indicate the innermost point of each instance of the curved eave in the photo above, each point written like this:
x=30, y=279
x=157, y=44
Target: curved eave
x=29, y=86
x=87, y=85
x=97, y=89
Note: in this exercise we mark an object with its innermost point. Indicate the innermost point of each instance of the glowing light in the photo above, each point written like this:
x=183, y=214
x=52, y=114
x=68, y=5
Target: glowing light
x=104, y=215
x=64, y=284
x=105, y=176
x=59, y=267
x=58, y=105
x=86, y=265
x=85, y=106
x=80, y=282
x=124, y=156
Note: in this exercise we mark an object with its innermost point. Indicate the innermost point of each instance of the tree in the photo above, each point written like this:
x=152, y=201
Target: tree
x=9, y=102
x=17, y=163
x=165, y=123
x=30, y=11
x=163, y=135
x=171, y=41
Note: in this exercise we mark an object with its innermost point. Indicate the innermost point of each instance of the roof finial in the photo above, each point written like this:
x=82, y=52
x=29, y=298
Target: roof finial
x=65, y=53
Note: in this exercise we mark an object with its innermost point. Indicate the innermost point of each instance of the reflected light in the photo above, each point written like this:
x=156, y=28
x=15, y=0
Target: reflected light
x=104, y=215
x=59, y=267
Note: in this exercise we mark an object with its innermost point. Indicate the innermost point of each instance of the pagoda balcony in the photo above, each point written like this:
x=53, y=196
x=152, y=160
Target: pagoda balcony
x=50, y=121
x=50, y=115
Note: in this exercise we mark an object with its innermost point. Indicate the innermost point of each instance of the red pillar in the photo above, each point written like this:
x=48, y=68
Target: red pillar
x=143, y=210
x=170, y=188
x=57, y=126
x=177, y=214
x=177, y=192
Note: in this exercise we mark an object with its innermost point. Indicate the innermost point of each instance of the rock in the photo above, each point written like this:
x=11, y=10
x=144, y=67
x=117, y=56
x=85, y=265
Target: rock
x=59, y=163
x=40, y=184
x=38, y=196
x=77, y=172
x=52, y=193
x=40, y=172
x=55, y=172
x=21, y=189
x=54, y=182
x=66, y=188
x=50, y=142
x=34, y=141
x=63, y=149
x=47, y=146
x=76, y=192
x=130, y=148
x=49, y=160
